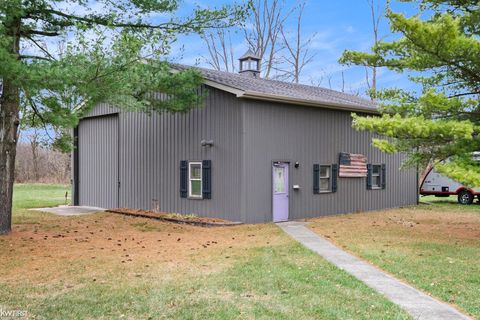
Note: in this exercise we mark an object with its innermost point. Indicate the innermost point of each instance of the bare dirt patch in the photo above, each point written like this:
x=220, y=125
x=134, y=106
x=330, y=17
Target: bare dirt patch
x=98, y=245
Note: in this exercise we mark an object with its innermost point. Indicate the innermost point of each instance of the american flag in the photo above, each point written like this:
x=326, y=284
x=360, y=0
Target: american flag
x=352, y=165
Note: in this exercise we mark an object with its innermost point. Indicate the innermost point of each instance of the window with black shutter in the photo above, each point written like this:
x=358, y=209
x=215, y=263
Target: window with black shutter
x=196, y=179
x=325, y=178
x=376, y=176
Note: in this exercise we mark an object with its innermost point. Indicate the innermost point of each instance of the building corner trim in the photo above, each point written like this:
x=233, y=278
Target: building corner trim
x=76, y=171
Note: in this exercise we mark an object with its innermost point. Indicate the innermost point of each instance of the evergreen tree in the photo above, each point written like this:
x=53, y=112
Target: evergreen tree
x=59, y=58
x=440, y=49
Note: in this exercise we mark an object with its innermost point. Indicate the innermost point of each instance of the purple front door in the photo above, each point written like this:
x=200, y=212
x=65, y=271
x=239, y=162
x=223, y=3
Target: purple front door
x=280, y=191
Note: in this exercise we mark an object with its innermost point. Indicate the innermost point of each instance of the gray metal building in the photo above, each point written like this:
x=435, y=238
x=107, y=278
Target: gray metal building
x=259, y=150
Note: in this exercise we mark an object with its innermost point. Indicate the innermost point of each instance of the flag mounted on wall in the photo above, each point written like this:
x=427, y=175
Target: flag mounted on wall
x=352, y=165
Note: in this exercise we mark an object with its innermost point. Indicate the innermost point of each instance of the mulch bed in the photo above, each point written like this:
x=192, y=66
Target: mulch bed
x=166, y=216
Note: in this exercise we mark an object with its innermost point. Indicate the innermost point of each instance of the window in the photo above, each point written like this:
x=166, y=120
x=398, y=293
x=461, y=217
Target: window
x=324, y=176
x=279, y=179
x=376, y=176
x=195, y=180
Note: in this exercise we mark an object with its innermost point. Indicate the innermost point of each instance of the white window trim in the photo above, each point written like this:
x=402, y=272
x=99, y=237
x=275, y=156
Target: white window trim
x=190, y=179
x=329, y=179
x=375, y=187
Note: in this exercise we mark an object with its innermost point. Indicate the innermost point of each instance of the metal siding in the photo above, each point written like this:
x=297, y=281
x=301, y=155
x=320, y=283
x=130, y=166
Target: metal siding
x=248, y=135
x=98, y=161
x=101, y=109
x=313, y=135
x=152, y=147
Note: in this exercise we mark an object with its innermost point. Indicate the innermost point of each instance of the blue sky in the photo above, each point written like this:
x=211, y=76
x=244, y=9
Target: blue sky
x=338, y=25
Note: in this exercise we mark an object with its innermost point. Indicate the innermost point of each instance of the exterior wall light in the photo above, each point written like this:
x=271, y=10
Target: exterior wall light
x=206, y=143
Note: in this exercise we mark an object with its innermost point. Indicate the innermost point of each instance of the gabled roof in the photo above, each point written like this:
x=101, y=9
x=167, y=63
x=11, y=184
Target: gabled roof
x=249, y=54
x=248, y=87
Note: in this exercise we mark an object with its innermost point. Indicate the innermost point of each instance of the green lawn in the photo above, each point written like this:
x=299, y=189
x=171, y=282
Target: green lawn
x=436, y=248
x=108, y=266
x=40, y=195
x=26, y=196
x=450, y=203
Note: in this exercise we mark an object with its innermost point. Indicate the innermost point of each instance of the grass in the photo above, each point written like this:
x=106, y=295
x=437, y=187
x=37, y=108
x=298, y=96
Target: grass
x=40, y=195
x=451, y=203
x=436, y=248
x=26, y=196
x=108, y=266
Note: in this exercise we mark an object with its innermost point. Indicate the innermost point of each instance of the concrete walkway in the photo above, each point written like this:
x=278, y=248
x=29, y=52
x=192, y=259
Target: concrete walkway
x=70, y=210
x=416, y=303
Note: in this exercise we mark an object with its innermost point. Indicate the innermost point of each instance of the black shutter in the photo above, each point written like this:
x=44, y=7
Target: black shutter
x=183, y=179
x=369, y=176
x=207, y=179
x=334, y=177
x=316, y=178
x=384, y=176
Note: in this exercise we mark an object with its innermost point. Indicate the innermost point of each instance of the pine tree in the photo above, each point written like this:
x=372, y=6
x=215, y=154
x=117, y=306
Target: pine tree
x=440, y=49
x=59, y=58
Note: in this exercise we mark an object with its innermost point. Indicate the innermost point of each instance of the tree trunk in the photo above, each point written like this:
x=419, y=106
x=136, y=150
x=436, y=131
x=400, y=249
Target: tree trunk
x=9, y=121
x=34, y=146
x=9, y=116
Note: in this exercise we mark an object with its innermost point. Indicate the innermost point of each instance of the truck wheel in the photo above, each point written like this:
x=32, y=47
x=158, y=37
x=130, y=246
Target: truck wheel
x=465, y=197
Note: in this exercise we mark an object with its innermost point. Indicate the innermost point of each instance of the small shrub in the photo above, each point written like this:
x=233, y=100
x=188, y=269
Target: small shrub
x=180, y=216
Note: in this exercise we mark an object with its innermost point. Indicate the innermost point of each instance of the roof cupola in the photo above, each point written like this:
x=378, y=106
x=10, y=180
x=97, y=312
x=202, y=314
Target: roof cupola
x=250, y=64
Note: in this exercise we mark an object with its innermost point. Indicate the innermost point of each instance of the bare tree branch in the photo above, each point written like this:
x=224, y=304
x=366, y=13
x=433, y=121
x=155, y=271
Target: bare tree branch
x=263, y=32
x=284, y=56
x=220, y=50
x=298, y=51
x=33, y=57
x=376, y=16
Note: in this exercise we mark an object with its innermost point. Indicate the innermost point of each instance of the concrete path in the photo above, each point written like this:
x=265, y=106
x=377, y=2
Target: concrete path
x=416, y=303
x=70, y=210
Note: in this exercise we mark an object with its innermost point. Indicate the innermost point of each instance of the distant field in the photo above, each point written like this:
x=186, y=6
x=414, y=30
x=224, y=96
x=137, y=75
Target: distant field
x=40, y=195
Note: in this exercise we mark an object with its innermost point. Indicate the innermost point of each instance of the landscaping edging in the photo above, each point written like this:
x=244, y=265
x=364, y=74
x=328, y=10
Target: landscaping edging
x=158, y=216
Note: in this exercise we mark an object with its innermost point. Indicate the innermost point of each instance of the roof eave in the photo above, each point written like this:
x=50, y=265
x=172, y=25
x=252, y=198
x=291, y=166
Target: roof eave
x=303, y=102
x=223, y=87
x=279, y=98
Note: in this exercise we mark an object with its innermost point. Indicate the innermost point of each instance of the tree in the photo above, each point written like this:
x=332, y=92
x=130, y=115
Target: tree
x=113, y=53
x=298, y=52
x=266, y=33
x=375, y=9
x=441, y=48
x=263, y=38
x=261, y=32
x=221, y=55
x=35, y=146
